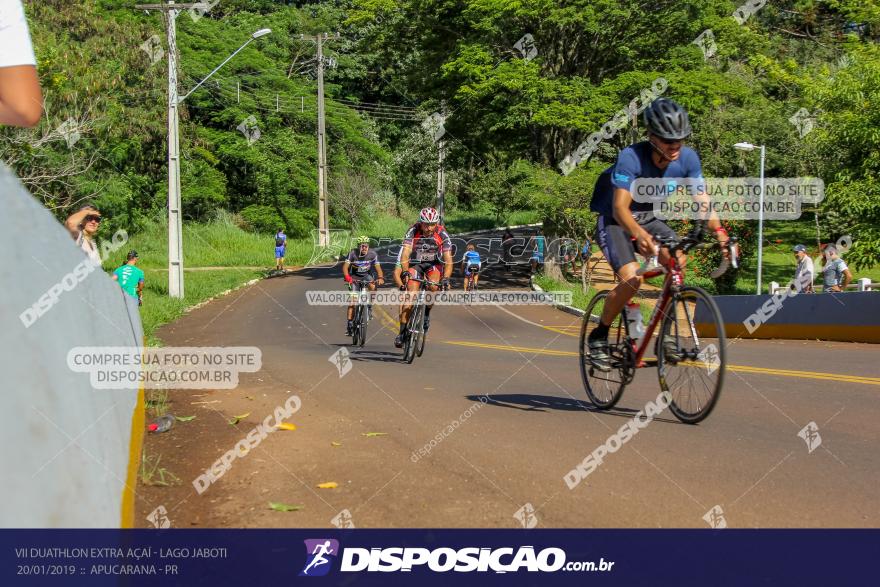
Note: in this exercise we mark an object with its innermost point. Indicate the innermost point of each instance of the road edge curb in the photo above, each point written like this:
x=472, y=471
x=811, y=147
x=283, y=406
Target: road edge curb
x=565, y=308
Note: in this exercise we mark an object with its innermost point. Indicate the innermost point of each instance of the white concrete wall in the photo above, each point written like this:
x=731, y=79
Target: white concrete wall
x=64, y=447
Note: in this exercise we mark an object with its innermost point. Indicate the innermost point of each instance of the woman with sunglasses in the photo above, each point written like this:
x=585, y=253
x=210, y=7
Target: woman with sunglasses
x=625, y=226
x=83, y=226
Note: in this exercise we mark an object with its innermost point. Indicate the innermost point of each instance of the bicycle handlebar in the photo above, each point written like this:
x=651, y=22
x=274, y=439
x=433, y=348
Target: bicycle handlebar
x=694, y=240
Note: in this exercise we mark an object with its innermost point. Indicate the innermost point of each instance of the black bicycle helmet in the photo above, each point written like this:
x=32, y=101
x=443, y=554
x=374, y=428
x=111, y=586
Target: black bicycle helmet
x=667, y=120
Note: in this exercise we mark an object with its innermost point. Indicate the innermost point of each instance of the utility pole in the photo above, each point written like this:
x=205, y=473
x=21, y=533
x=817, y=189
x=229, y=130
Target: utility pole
x=441, y=171
x=175, y=222
x=323, y=208
x=175, y=228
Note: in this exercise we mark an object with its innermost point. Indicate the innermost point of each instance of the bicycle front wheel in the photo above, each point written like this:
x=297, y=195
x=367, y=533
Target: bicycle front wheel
x=412, y=332
x=356, y=325
x=605, y=387
x=691, y=354
x=362, y=326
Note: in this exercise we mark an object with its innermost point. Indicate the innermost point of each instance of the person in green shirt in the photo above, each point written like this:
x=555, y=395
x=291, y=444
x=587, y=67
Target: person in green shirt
x=130, y=278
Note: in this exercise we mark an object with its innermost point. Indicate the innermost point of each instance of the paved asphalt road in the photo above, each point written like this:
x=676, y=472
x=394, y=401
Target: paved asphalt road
x=513, y=447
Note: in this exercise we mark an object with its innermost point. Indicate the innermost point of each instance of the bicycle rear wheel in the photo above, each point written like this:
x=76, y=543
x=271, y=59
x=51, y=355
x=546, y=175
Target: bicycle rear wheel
x=691, y=354
x=605, y=388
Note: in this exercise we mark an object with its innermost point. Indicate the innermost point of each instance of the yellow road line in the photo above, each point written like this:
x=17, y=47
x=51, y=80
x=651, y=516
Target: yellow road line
x=739, y=368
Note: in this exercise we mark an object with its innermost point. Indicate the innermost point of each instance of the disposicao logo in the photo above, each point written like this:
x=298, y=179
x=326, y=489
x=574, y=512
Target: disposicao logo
x=320, y=553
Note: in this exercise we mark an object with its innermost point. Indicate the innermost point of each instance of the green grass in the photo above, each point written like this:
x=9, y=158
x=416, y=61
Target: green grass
x=215, y=244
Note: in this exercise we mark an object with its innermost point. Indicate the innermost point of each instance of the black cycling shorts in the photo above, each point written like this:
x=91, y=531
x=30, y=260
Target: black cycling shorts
x=363, y=279
x=617, y=244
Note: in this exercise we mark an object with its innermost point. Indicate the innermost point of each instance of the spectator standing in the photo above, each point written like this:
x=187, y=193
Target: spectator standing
x=21, y=100
x=537, y=251
x=83, y=226
x=835, y=273
x=131, y=278
x=805, y=273
x=280, y=248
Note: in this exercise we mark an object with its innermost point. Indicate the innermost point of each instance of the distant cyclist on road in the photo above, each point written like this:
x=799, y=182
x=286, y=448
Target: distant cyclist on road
x=367, y=273
x=470, y=265
x=429, y=245
x=280, y=248
x=621, y=219
x=586, y=251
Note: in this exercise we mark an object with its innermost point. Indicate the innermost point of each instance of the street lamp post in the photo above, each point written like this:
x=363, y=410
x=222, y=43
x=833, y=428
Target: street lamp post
x=175, y=224
x=748, y=147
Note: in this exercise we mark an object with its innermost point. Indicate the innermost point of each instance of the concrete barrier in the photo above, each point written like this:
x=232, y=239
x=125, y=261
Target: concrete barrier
x=845, y=316
x=68, y=453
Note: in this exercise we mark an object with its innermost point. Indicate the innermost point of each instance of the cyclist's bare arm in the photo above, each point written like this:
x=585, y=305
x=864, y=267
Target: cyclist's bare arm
x=379, y=273
x=623, y=216
x=714, y=223
x=405, y=253
x=448, y=265
x=345, y=267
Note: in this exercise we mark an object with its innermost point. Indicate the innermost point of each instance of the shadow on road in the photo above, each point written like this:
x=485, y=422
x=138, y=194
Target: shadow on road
x=375, y=356
x=541, y=403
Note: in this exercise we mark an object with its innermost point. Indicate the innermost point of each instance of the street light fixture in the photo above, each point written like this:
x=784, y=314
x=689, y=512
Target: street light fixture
x=749, y=147
x=254, y=36
x=175, y=225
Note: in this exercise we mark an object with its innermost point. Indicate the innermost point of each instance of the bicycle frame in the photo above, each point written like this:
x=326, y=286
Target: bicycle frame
x=674, y=279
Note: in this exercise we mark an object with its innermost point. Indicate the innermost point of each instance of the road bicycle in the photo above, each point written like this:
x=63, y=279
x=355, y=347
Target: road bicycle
x=470, y=284
x=690, y=368
x=414, y=339
x=362, y=313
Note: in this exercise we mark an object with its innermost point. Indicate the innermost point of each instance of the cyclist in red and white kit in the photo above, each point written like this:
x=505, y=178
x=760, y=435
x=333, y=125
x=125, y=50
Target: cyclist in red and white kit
x=428, y=245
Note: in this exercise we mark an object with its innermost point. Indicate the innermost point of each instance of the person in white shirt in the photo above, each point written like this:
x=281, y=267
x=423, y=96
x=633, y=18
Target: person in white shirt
x=805, y=273
x=21, y=100
x=83, y=226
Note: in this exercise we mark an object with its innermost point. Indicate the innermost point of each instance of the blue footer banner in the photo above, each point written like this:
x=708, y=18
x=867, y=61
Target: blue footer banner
x=440, y=557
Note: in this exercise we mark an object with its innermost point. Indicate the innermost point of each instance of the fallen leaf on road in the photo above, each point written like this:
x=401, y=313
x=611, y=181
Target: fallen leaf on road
x=236, y=419
x=283, y=507
x=248, y=397
x=374, y=434
x=335, y=444
x=185, y=418
x=328, y=485
x=286, y=426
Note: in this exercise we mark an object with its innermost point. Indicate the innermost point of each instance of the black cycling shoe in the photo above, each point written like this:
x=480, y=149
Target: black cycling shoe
x=599, y=354
x=427, y=323
x=398, y=342
x=670, y=350
x=349, y=329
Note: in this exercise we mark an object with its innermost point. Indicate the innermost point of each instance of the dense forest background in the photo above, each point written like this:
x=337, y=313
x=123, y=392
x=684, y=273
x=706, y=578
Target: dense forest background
x=802, y=77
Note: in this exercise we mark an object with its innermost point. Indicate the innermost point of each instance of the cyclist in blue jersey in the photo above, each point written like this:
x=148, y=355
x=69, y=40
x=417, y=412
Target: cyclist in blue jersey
x=586, y=251
x=625, y=226
x=470, y=265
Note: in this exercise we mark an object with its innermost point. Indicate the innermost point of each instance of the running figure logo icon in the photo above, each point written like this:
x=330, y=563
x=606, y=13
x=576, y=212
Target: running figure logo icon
x=319, y=554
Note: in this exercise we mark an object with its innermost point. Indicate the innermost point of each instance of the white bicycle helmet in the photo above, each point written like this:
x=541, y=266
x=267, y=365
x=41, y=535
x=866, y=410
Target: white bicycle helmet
x=429, y=216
